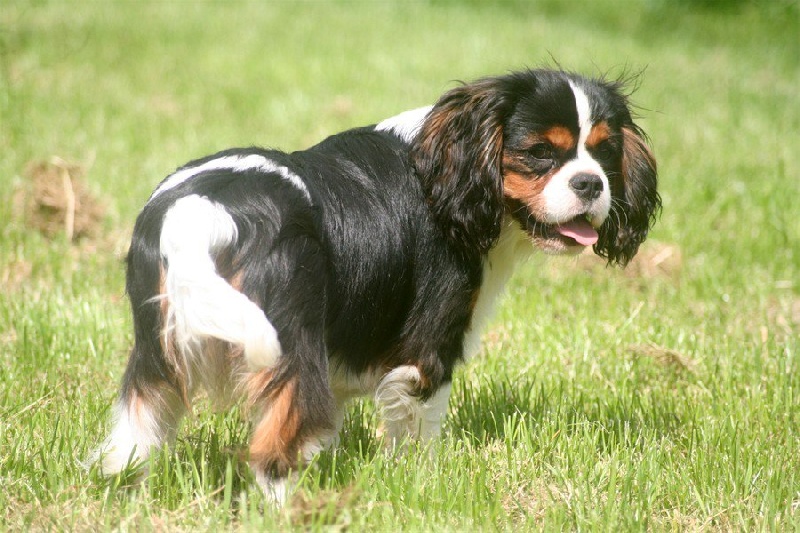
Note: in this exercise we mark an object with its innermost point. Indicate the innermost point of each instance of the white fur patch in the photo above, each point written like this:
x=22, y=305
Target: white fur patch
x=137, y=430
x=561, y=203
x=234, y=163
x=346, y=384
x=512, y=247
x=584, y=114
x=406, y=125
x=403, y=414
x=399, y=406
x=276, y=490
x=201, y=303
x=434, y=412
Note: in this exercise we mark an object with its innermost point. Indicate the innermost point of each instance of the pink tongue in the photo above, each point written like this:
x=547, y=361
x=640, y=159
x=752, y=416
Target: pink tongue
x=580, y=230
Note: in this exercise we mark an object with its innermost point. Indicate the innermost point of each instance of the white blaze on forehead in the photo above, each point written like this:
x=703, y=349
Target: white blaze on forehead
x=584, y=114
x=561, y=203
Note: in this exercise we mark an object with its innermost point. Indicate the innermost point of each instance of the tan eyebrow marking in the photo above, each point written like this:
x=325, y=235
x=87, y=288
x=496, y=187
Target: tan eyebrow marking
x=560, y=137
x=599, y=133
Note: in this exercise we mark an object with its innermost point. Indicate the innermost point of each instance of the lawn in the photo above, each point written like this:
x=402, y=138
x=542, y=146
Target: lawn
x=661, y=397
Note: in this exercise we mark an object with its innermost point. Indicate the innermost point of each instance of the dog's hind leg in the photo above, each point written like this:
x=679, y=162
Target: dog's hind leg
x=292, y=406
x=152, y=400
x=292, y=423
x=144, y=419
x=180, y=304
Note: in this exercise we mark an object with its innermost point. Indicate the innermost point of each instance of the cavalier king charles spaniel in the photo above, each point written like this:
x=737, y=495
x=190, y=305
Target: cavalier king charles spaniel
x=367, y=264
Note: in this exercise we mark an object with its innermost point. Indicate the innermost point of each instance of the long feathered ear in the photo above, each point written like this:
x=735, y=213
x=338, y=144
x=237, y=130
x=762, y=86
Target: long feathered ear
x=458, y=154
x=634, y=212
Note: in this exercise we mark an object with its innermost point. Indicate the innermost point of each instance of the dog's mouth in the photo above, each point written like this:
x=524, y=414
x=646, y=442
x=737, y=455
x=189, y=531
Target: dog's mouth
x=578, y=230
x=574, y=234
x=565, y=237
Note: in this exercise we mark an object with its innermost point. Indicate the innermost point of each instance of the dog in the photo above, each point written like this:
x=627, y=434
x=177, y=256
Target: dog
x=367, y=264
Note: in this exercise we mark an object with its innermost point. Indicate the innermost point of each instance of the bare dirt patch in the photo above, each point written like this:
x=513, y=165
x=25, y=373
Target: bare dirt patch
x=55, y=200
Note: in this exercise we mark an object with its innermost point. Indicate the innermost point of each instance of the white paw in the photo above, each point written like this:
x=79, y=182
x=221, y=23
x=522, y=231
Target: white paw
x=276, y=490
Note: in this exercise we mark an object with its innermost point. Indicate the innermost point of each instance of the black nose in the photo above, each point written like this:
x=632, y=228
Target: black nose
x=586, y=186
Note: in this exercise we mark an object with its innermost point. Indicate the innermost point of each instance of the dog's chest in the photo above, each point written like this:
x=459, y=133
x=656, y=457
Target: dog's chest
x=511, y=248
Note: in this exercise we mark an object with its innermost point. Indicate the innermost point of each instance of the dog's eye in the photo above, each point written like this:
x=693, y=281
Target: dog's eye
x=542, y=151
x=605, y=150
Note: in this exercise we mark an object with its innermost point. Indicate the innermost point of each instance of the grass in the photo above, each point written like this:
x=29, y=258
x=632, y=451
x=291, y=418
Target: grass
x=662, y=397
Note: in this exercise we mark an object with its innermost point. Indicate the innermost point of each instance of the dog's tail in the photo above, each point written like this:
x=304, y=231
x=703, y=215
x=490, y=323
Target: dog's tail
x=200, y=303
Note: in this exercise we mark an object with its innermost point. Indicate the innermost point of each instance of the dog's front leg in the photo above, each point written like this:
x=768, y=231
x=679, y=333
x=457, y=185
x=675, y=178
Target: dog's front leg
x=405, y=413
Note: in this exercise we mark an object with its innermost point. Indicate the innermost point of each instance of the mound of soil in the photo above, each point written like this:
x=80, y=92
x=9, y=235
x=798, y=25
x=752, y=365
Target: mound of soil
x=55, y=200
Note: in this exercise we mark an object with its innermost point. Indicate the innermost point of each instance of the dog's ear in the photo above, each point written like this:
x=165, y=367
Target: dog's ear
x=635, y=207
x=457, y=155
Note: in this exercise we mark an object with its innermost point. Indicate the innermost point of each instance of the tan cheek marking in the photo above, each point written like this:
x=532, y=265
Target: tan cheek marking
x=599, y=133
x=525, y=186
x=521, y=188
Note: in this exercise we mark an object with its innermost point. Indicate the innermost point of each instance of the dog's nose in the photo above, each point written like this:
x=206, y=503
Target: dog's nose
x=586, y=186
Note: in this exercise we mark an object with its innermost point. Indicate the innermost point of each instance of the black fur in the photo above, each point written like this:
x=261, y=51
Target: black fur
x=383, y=266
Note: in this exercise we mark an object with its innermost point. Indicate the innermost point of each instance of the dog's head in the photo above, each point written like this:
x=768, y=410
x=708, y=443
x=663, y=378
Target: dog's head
x=558, y=153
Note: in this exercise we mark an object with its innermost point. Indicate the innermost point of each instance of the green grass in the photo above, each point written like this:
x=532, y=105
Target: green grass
x=663, y=397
